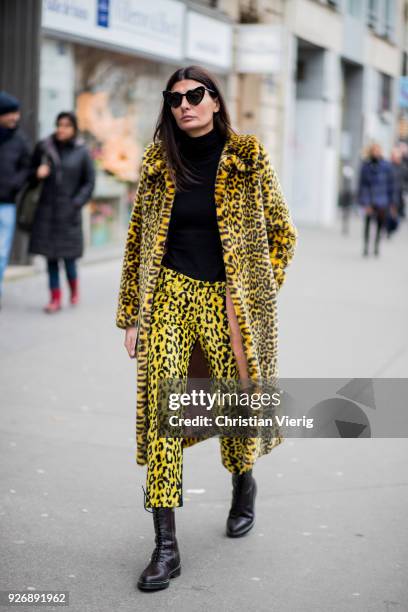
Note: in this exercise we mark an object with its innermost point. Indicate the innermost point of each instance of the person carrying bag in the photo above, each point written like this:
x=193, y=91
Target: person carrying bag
x=27, y=201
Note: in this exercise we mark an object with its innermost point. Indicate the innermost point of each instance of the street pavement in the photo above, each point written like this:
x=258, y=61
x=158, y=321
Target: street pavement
x=331, y=531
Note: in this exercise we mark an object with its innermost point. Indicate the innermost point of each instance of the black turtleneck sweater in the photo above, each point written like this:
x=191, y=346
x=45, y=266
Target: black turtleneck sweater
x=193, y=241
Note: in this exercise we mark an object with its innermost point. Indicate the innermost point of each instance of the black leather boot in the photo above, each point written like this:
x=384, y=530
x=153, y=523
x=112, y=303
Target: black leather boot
x=241, y=516
x=165, y=560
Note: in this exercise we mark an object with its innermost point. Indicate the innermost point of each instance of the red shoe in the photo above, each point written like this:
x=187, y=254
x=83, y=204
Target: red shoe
x=55, y=301
x=74, y=286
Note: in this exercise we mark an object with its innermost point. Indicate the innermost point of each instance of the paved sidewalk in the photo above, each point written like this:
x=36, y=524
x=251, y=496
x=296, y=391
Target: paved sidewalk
x=331, y=514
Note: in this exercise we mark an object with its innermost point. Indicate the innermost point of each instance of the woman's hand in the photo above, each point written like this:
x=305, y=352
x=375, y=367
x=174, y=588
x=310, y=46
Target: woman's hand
x=130, y=340
x=43, y=171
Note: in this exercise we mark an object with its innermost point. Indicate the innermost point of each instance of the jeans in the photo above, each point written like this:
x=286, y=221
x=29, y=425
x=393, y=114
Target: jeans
x=53, y=271
x=7, y=226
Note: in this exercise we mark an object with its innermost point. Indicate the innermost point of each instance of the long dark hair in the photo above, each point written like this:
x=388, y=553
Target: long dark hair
x=169, y=133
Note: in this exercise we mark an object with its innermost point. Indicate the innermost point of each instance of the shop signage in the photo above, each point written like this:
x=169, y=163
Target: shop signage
x=135, y=25
x=103, y=13
x=208, y=40
x=259, y=48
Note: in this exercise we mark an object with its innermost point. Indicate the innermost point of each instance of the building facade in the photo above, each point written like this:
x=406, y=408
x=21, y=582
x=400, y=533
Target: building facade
x=115, y=58
x=345, y=67
x=331, y=87
x=316, y=80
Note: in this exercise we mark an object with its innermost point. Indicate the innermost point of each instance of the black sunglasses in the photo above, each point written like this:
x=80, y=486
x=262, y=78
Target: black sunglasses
x=194, y=96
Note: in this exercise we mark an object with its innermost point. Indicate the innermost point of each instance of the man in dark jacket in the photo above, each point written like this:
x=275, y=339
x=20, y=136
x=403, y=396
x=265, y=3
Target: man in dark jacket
x=14, y=167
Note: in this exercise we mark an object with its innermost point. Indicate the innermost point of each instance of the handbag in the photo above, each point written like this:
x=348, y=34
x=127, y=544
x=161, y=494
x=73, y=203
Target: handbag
x=27, y=202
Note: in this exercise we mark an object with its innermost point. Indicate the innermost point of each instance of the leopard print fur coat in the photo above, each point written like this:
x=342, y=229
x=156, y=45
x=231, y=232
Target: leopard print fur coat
x=258, y=238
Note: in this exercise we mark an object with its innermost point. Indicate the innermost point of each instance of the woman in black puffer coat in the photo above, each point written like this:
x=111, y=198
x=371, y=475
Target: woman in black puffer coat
x=63, y=162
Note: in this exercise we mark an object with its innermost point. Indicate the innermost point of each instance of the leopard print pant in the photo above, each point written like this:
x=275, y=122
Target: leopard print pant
x=184, y=310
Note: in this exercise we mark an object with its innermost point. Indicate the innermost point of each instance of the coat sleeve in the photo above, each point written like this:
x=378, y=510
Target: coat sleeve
x=87, y=183
x=128, y=301
x=281, y=231
x=38, y=156
x=364, y=186
x=35, y=161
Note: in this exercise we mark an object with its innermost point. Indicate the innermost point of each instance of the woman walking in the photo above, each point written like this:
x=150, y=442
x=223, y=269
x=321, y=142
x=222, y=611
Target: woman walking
x=376, y=194
x=209, y=239
x=62, y=161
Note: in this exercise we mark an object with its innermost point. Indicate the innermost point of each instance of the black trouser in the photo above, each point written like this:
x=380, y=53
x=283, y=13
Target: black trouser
x=378, y=214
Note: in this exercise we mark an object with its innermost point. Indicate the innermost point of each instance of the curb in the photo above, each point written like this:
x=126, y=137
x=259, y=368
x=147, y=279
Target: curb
x=18, y=272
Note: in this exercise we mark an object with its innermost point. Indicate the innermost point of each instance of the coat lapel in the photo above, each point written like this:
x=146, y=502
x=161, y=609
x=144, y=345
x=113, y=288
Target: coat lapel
x=238, y=151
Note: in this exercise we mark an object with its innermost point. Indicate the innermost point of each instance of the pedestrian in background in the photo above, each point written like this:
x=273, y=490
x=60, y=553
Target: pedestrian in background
x=14, y=167
x=398, y=199
x=346, y=197
x=209, y=240
x=69, y=179
x=403, y=146
x=375, y=193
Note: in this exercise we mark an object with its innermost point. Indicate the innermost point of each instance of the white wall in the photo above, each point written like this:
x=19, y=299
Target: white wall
x=57, y=82
x=380, y=129
x=317, y=125
x=307, y=185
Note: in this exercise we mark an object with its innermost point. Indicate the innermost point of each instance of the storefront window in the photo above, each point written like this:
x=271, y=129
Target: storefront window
x=389, y=18
x=117, y=102
x=103, y=222
x=385, y=92
x=372, y=13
